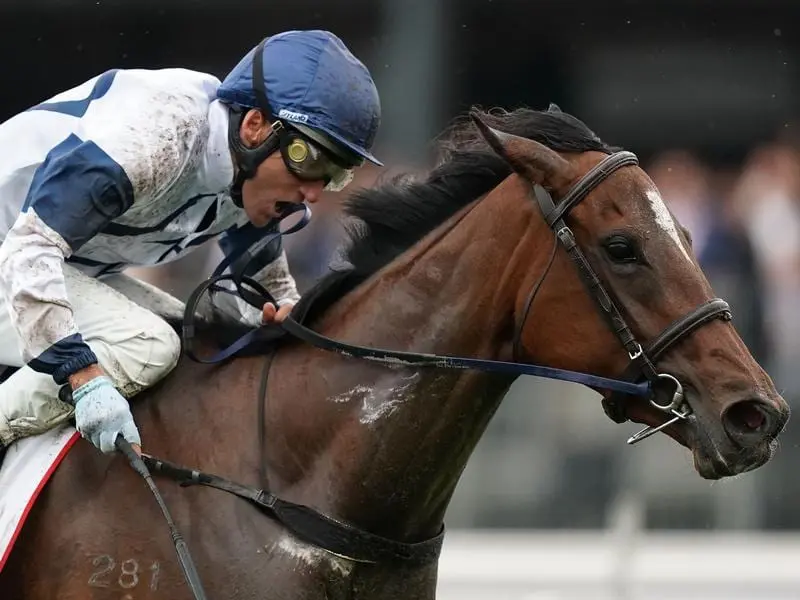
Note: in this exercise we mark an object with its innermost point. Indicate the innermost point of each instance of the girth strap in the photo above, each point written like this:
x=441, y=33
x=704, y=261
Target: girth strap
x=337, y=537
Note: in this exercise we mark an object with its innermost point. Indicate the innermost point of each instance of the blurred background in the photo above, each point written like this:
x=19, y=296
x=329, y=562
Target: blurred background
x=553, y=504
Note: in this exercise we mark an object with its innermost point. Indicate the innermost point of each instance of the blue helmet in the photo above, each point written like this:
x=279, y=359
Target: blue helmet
x=312, y=81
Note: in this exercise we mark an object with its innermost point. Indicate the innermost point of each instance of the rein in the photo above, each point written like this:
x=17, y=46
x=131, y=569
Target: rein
x=256, y=296
x=346, y=540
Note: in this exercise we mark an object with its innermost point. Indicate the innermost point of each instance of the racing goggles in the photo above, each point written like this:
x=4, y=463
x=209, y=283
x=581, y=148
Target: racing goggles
x=310, y=161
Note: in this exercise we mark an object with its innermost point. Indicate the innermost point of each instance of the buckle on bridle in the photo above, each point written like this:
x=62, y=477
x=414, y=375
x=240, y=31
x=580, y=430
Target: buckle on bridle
x=637, y=353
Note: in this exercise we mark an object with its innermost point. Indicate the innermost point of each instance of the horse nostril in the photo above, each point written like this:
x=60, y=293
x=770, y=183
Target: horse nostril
x=748, y=415
x=748, y=422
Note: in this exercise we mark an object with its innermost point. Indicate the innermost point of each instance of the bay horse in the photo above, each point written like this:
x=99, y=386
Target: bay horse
x=473, y=259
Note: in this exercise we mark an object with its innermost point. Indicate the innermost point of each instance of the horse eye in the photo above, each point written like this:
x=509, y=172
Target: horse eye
x=621, y=250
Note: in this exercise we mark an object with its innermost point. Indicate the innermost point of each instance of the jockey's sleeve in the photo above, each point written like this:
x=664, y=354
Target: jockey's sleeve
x=76, y=191
x=269, y=267
x=89, y=179
x=278, y=280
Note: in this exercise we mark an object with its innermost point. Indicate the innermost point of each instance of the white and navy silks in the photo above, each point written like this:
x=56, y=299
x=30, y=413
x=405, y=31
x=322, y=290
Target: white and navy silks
x=130, y=168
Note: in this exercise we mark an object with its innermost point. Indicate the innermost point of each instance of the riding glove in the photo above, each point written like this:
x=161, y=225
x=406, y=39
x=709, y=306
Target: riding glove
x=101, y=413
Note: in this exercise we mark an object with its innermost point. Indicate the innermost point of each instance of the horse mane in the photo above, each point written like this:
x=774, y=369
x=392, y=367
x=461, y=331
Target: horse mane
x=384, y=221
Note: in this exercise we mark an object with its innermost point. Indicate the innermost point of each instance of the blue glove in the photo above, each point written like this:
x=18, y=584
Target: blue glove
x=101, y=413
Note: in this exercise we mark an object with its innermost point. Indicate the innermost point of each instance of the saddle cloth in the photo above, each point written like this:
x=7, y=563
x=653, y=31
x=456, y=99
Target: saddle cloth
x=27, y=467
x=30, y=462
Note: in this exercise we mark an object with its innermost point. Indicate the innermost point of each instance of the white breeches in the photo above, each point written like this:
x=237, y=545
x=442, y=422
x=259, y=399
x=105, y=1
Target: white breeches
x=135, y=347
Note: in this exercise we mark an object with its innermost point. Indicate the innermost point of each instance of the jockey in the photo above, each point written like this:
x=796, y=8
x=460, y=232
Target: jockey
x=139, y=167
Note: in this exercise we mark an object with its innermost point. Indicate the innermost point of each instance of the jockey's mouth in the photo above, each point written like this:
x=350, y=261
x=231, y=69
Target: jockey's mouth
x=283, y=207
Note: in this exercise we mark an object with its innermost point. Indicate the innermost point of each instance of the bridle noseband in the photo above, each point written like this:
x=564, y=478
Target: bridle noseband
x=346, y=540
x=642, y=358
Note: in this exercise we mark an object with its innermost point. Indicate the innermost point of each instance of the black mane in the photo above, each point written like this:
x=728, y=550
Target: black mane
x=386, y=220
x=390, y=218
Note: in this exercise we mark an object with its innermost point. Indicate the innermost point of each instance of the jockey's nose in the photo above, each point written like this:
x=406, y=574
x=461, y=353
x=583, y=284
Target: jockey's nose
x=312, y=191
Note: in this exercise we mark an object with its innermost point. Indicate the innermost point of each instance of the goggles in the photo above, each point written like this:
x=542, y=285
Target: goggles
x=310, y=161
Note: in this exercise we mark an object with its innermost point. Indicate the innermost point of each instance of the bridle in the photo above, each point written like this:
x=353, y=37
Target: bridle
x=343, y=539
x=640, y=378
x=642, y=359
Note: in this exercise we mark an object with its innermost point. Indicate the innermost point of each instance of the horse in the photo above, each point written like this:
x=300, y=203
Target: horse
x=475, y=258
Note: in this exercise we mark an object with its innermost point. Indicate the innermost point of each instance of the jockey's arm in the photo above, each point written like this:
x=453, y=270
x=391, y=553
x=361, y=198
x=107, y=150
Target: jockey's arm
x=85, y=182
x=71, y=198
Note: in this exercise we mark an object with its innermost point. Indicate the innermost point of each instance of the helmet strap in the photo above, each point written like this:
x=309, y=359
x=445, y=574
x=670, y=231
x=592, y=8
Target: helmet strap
x=248, y=159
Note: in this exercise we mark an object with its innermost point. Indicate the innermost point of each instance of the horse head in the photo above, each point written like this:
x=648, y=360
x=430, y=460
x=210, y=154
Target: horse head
x=646, y=268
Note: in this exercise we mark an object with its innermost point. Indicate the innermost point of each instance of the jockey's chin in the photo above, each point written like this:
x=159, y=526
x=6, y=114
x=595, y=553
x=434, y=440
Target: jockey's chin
x=262, y=211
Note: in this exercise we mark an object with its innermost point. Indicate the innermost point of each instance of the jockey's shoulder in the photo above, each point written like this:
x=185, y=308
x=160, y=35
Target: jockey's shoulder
x=174, y=90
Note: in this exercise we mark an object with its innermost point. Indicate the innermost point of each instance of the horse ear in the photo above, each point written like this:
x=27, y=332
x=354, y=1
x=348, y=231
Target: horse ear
x=534, y=161
x=554, y=108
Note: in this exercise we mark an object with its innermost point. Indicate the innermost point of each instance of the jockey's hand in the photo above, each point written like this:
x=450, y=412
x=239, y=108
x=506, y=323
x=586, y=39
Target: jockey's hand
x=270, y=314
x=101, y=413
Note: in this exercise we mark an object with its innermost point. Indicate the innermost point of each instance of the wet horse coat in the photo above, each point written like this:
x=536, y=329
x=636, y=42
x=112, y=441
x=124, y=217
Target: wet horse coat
x=435, y=270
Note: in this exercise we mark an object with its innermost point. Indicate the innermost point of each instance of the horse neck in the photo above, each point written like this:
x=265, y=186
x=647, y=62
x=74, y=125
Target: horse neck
x=396, y=439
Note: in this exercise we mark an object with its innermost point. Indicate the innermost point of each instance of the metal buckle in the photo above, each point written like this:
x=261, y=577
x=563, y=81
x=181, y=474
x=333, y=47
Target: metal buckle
x=636, y=353
x=566, y=237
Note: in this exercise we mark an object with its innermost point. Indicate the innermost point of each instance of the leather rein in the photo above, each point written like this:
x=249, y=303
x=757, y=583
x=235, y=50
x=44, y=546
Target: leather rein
x=640, y=378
